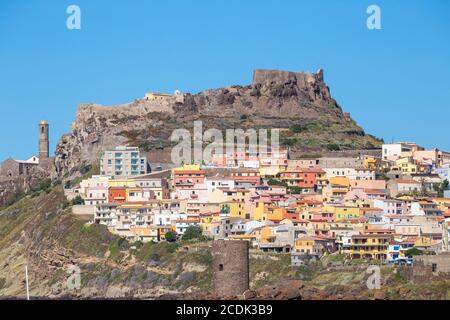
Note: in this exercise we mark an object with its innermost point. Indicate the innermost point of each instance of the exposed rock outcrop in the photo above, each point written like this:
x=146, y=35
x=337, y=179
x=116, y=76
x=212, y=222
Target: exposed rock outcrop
x=275, y=99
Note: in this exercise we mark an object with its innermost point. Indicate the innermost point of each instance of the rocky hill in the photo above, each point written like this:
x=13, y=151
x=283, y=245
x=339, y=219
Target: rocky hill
x=300, y=103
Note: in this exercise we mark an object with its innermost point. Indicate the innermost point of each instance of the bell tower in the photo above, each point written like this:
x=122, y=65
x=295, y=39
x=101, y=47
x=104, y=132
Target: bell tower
x=43, y=140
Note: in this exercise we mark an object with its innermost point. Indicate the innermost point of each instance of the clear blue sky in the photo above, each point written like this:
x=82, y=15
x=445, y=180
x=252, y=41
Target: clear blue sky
x=395, y=82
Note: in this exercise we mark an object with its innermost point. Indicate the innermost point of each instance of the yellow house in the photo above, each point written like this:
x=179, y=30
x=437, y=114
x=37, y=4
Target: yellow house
x=423, y=242
x=162, y=230
x=370, y=162
x=442, y=203
x=188, y=167
x=372, y=246
x=261, y=209
x=309, y=246
x=122, y=183
x=304, y=244
x=237, y=209
x=206, y=219
x=337, y=188
x=344, y=212
x=342, y=182
x=144, y=234
x=267, y=234
x=208, y=222
x=276, y=214
x=405, y=165
x=258, y=211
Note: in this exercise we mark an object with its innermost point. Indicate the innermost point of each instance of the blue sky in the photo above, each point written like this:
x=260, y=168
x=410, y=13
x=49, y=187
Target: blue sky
x=395, y=82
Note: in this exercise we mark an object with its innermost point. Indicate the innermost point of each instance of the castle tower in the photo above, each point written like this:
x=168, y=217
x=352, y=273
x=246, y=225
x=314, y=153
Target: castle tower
x=230, y=267
x=43, y=140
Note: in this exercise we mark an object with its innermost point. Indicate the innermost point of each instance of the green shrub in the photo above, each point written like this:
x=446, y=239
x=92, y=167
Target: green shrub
x=78, y=200
x=116, y=247
x=170, y=236
x=413, y=252
x=290, y=142
x=193, y=232
x=294, y=190
x=160, y=250
x=296, y=128
x=304, y=273
x=45, y=185
x=275, y=182
x=333, y=147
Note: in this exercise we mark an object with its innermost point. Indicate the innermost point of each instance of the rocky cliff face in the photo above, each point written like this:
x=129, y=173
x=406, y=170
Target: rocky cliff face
x=275, y=99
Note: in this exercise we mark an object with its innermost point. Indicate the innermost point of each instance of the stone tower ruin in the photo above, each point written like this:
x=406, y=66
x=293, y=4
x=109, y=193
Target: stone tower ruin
x=230, y=267
x=43, y=140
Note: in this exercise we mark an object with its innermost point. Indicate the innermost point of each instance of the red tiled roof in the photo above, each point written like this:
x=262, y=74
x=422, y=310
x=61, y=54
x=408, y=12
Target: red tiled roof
x=407, y=181
x=373, y=191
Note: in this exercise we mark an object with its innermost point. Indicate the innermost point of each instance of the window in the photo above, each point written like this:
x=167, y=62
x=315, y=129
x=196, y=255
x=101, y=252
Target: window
x=434, y=267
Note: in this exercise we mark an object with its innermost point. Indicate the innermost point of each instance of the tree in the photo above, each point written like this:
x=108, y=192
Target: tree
x=193, y=232
x=78, y=200
x=294, y=190
x=445, y=184
x=170, y=236
x=440, y=188
x=413, y=252
x=273, y=182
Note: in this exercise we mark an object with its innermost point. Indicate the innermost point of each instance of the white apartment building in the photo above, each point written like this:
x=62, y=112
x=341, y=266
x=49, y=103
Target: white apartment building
x=351, y=173
x=123, y=162
x=394, y=150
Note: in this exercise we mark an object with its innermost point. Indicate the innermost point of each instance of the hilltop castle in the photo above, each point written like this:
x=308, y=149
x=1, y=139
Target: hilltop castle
x=177, y=97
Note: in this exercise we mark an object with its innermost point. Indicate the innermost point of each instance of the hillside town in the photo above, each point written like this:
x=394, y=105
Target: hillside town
x=380, y=207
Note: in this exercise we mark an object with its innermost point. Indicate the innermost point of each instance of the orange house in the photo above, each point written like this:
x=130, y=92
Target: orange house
x=267, y=234
x=117, y=194
x=276, y=214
